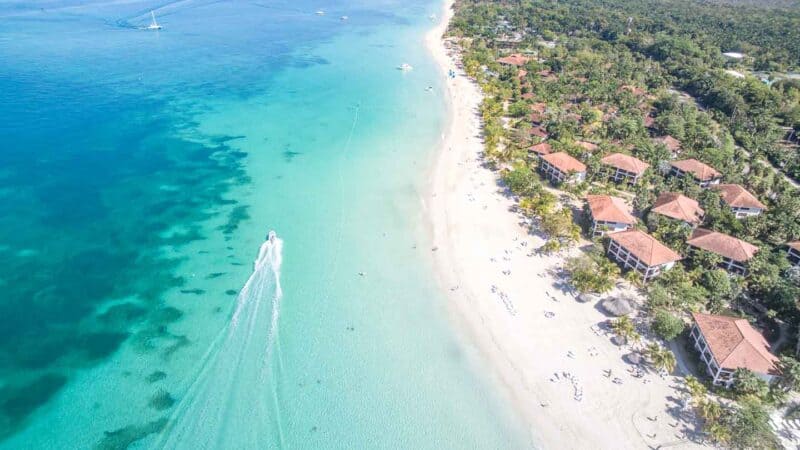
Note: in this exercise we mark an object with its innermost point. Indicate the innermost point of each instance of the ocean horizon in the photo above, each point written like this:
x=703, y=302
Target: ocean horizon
x=140, y=174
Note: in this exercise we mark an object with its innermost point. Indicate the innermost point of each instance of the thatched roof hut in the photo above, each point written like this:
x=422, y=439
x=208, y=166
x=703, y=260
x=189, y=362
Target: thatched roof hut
x=617, y=306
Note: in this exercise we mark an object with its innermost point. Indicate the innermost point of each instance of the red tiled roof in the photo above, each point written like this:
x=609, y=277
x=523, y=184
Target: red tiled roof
x=701, y=171
x=539, y=107
x=564, y=162
x=588, y=146
x=670, y=142
x=735, y=195
x=678, y=206
x=527, y=96
x=539, y=132
x=608, y=208
x=516, y=59
x=649, y=121
x=541, y=149
x=635, y=90
x=545, y=72
x=736, y=344
x=645, y=247
x=522, y=73
x=625, y=162
x=722, y=244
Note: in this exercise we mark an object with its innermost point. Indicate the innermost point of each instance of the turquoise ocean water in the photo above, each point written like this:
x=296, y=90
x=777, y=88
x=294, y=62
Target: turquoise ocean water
x=139, y=174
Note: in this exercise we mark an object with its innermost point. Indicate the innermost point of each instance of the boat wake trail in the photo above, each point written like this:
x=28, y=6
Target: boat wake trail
x=233, y=401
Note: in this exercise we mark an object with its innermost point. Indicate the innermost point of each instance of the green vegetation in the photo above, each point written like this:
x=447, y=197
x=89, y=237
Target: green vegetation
x=647, y=78
x=666, y=325
x=592, y=272
x=660, y=357
x=625, y=329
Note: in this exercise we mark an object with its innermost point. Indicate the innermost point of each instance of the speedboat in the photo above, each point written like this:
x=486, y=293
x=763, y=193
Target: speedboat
x=153, y=25
x=344, y=18
x=320, y=12
x=405, y=67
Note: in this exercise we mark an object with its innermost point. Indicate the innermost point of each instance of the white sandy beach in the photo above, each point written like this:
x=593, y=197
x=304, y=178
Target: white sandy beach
x=528, y=330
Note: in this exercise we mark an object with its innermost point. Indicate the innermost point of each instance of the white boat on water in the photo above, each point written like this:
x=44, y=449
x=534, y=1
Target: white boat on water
x=405, y=67
x=153, y=25
x=344, y=18
x=320, y=12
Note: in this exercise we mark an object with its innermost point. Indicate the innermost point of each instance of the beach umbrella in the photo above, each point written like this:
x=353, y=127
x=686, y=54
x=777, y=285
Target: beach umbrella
x=617, y=306
x=634, y=358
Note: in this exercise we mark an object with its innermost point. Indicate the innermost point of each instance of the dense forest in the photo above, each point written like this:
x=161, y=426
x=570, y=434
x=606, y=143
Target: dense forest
x=688, y=40
x=650, y=79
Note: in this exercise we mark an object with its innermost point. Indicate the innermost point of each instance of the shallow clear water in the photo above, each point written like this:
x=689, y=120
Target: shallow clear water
x=139, y=175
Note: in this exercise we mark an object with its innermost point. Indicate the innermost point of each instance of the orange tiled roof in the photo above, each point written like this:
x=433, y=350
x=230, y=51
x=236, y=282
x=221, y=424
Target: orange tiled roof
x=635, y=90
x=701, y=171
x=735, y=195
x=645, y=247
x=678, y=206
x=541, y=149
x=608, y=208
x=539, y=107
x=588, y=146
x=670, y=142
x=539, y=132
x=625, y=162
x=515, y=59
x=564, y=162
x=736, y=344
x=722, y=244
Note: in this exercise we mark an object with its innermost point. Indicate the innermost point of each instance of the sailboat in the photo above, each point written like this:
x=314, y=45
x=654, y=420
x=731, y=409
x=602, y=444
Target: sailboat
x=153, y=25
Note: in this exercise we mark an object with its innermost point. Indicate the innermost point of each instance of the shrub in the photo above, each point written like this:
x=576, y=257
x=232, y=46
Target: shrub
x=666, y=325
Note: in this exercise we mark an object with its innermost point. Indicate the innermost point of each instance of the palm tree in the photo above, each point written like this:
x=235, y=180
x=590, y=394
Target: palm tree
x=660, y=357
x=709, y=410
x=696, y=388
x=790, y=373
x=624, y=327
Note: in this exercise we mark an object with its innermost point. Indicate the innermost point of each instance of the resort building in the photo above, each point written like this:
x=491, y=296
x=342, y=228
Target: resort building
x=704, y=174
x=560, y=167
x=734, y=252
x=639, y=251
x=729, y=343
x=624, y=167
x=672, y=144
x=742, y=203
x=794, y=253
x=516, y=60
x=679, y=207
x=539, y=132
x=541, y=149
x=590, y=147
x=609, y=214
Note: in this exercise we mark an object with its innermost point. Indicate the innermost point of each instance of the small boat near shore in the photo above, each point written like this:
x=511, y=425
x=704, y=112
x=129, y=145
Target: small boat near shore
x=405, y=67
